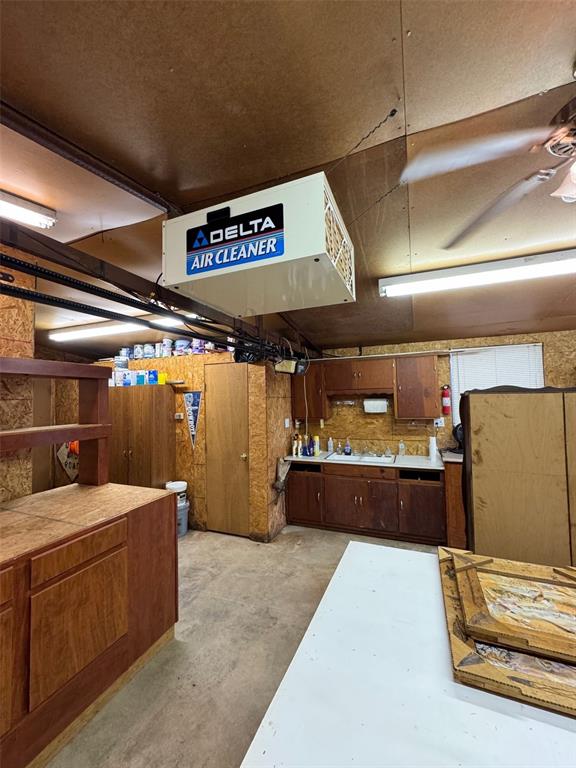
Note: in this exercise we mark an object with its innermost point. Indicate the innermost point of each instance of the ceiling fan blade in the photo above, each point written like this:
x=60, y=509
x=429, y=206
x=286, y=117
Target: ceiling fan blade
x=509, y=198
x=567, y=189
x=452, y=157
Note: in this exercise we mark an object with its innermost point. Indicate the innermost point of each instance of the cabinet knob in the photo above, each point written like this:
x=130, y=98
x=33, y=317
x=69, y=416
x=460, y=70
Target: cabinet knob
x=318, y=497
x=361, y=501
x=130, y=453
x=243, y=456
x=401, y=504
x=355, y=500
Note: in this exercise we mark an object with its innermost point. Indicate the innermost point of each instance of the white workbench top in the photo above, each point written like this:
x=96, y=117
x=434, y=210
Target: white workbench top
x=371, y=684
x=400, y=462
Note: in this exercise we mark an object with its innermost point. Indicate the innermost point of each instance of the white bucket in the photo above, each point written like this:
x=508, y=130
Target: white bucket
x=179, y=488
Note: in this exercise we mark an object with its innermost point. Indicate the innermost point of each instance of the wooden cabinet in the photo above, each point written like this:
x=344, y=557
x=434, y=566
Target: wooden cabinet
x=363, y=504
x=417, y=394
x=309, y=390
x=79, y=608
x=359, y=375
x=143, y=442
x=421, y=510
x=383, y=501
x=74, y=621
x=304, y=500
x=6, y=663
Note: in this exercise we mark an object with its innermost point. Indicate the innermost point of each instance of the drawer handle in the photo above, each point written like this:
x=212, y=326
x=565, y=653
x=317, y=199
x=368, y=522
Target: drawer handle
x=355, y=501
x=401, y=503
x=318, y=497
x=361, y=502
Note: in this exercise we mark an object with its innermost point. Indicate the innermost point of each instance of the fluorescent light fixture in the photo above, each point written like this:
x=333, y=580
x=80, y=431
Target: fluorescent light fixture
x=191, y=315
x=167, y=322
x=25, y=211
x=94, y=332
x=475, y=275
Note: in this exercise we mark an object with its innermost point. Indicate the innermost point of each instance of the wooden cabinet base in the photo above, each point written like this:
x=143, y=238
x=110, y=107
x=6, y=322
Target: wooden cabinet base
x=368, y=532
x=82, y=719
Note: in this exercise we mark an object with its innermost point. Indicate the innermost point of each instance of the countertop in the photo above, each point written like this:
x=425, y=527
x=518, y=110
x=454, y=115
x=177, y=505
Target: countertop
x=400, y=462
x=33, y=522
x=371, y=684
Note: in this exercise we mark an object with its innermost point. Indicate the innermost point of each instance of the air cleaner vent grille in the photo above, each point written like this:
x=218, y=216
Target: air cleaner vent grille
x=338, y=247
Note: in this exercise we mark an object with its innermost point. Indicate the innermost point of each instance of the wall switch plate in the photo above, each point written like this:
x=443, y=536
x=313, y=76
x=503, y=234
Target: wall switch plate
x=321, y=423
x=286, y=423
x=439, y=422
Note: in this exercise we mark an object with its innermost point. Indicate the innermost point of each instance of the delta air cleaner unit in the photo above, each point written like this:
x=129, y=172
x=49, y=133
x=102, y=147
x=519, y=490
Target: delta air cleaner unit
x=275, y=250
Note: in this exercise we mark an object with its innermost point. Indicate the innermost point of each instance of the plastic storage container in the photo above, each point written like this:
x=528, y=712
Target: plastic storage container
x=183, y=505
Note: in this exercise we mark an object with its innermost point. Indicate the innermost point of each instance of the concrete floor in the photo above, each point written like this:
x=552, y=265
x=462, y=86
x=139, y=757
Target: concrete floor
x=244, y=608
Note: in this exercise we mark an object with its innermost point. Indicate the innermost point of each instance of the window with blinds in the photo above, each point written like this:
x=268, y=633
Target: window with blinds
x=518, y=365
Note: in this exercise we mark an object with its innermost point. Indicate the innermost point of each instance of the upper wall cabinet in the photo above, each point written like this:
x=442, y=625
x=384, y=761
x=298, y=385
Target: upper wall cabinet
x=417, y=393
x=309, y=394
x=363, y=376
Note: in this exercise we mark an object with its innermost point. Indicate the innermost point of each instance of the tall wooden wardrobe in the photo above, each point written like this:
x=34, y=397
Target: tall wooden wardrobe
x=520, y=473
x=143, y=442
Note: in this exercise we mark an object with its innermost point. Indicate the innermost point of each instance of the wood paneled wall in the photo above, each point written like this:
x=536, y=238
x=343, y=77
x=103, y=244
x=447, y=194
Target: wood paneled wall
x=16, y=340
x=382, y=430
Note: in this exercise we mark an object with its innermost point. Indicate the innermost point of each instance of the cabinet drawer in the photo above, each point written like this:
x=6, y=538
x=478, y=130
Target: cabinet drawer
x=6, y=585
x=355, y=470
x=62, y=559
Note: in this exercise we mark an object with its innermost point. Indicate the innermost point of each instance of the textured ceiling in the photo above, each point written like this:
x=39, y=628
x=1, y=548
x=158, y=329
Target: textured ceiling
x=200, y=101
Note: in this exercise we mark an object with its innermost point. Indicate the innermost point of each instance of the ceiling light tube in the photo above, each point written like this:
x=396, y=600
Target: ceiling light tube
x=94, y=332
x=167, y=322
x=25, y=211
x=477, y=275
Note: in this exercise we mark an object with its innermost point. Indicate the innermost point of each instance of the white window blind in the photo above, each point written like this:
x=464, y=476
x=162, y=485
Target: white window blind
x=518, y=365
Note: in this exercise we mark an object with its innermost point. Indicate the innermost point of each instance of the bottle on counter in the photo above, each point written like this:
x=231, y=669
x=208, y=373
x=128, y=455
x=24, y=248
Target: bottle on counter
x=347, y=448
x=299, y=446
x=401, y=448
x=330, y=445
x=339, y=449
x=304, y=446
x=311, y=446
x=316, y=445
x=295, y=444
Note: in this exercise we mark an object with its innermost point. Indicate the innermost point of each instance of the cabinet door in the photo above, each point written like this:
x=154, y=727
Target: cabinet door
x=417, y=394
x=455, y=514
x=119, y=405
x=375, y=375
x=382, y=506
x=162, y=435
x=346, y=502
x=6, y=667
x=75, y=620
x=304, y=497
x=339, y=376
x=421, y=510
x=140, y=436
x=308, y=390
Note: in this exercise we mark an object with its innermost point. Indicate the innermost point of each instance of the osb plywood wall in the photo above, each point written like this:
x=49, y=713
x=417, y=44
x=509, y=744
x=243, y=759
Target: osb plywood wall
x=16, y=340
x=268, y=406
x=378, y=431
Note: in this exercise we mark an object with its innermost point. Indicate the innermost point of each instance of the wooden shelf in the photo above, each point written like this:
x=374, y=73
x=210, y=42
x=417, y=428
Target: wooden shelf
x=30, y=437
x=52, y=369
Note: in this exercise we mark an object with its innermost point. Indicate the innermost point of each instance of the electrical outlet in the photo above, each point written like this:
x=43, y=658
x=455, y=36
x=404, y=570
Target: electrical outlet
x=439, y=422
x=179, y=417
x=286, y=423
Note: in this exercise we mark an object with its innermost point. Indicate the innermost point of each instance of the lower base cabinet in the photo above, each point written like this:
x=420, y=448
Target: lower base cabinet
x=348, y=498
x=304, y=497
x=421, y=510
x=364, y=504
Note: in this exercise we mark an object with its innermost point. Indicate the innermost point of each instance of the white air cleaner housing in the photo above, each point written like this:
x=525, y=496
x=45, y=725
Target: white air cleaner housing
x=279, y=249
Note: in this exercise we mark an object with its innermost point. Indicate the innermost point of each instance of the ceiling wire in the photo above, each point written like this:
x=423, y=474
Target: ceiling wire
x=406, y=126
x=364, y=138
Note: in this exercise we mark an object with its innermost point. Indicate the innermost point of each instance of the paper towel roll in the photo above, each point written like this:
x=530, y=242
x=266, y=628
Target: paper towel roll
x=432, y=448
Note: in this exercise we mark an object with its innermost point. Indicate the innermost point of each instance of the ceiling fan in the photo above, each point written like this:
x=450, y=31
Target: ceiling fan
x=559, y=139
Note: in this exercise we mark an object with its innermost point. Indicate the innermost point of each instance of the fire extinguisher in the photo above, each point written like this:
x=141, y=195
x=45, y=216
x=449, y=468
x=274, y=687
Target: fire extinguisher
x=446, y=397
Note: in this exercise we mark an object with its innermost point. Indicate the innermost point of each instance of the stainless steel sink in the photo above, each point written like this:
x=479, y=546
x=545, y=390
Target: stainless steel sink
x=365, y=459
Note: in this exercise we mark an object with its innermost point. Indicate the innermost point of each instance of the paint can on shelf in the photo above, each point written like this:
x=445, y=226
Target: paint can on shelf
x=166, y=347
x=148, y=350
x=138, y=351
x=158, y=349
